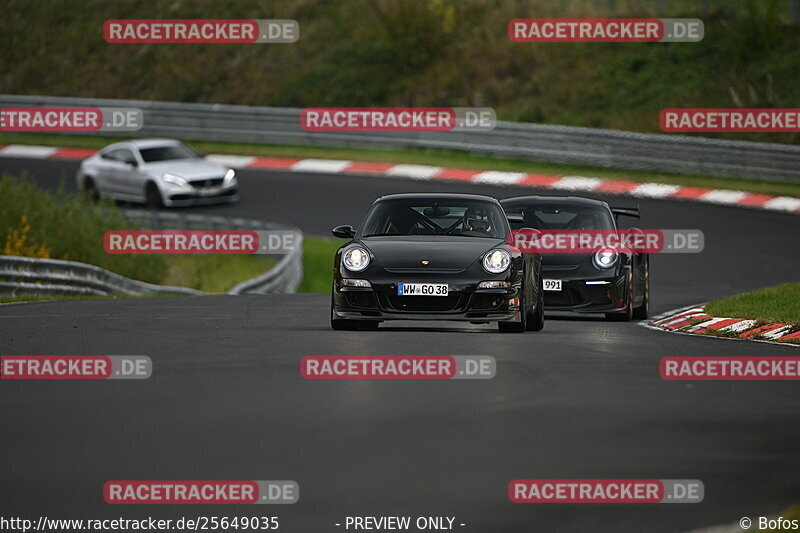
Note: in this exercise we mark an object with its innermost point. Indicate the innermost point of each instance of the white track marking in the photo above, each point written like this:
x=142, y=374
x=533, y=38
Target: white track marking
x=577, y=183
x=419, y=172
x=721, y=196
x=655, y=190
x=333, y=166
x=493, y=177
x=32, y=152
x=233, y=161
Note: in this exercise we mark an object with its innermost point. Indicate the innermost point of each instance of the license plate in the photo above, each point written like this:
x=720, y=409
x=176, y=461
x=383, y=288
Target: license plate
x=422, y=289
x=552, y=284
x=209, y=192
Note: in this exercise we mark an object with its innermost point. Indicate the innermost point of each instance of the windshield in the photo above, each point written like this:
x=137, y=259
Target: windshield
x=436, y=216
x=168, y=153
x=562, y=217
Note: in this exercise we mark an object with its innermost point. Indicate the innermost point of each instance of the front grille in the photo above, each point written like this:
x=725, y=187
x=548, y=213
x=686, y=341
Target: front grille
x=486, y=301
x=203, y=184
x=564, y=298
x=362, y=299
x=422, y=304
x=417, y=270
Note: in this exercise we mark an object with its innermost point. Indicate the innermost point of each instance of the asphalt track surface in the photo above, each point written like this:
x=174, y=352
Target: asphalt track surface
x=581, y=399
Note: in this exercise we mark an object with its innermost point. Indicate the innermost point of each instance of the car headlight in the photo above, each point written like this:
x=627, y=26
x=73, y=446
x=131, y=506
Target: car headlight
x=605, y=258
x=356, y=259
x=496, y=261
x=175, y=180
x=230, y=178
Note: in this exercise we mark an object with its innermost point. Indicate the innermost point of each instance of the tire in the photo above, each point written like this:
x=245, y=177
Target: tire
x=516, y=327
x=641, y=312
x=152, y=196
x=90, y=189
x=536, y=319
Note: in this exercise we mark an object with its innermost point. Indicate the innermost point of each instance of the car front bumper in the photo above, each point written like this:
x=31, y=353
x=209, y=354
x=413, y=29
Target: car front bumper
x=581, y=295
x=198, y=196
x=465, y=302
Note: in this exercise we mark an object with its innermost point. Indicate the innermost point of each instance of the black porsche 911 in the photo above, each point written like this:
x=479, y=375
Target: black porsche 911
x=435, y=257
x=614, y=282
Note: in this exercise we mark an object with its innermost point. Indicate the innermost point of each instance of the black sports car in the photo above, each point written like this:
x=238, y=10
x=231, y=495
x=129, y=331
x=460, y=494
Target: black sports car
x=614, y=282
x=435, y=257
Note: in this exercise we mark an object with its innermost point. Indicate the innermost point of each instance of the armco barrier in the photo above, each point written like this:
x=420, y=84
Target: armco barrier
x=26, y=276
x=554, y=144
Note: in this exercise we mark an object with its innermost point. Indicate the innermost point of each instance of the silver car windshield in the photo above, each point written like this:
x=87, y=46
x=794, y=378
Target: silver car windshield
x=168, y=153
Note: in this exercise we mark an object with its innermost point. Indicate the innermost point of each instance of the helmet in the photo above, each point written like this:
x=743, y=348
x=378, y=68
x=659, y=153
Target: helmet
x=477, y=220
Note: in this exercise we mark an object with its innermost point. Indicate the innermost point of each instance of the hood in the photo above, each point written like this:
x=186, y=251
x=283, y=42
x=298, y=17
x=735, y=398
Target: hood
x=564, y=260
x=445, y=254
x=189, y=169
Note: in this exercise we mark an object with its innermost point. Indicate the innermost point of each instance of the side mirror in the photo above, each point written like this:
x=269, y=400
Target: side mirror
x=132, y=163
x=344, y=232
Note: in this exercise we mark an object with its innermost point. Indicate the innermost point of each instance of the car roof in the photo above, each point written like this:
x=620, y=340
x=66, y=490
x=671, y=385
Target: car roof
x=152, y=143
x=554, y=200
x=142, y=143
x=442, y=195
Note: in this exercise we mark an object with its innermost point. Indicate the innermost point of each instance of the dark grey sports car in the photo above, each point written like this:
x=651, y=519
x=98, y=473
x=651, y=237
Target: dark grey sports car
x=616, y=283
x=435, y=257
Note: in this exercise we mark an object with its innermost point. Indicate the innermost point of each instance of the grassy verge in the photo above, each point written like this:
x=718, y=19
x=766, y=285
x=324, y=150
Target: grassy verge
x=444, y=158
x=61, y=226
x=770, y=304
x=318, y=255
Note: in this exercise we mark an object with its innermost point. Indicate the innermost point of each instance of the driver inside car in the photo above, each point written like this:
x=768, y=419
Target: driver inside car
x=477, y=220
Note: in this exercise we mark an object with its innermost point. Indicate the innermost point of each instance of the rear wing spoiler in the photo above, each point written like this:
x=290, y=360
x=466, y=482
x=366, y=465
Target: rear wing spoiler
x=625, y=211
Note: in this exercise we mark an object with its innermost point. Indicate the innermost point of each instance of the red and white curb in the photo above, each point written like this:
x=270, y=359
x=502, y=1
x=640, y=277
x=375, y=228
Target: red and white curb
x=694, y=320
x=580, y=184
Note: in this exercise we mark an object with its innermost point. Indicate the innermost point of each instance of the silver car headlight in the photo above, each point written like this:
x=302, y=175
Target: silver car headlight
x=175, y=180
x=605, y=258
x=496, y=261
x=230, y=178
x=356, y=259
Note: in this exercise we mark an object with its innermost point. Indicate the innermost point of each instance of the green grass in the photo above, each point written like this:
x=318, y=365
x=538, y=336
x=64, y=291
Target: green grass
x=770, y=304
x=408, y=52
x=443, y=158
x=62, y=226
x=318, y=253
